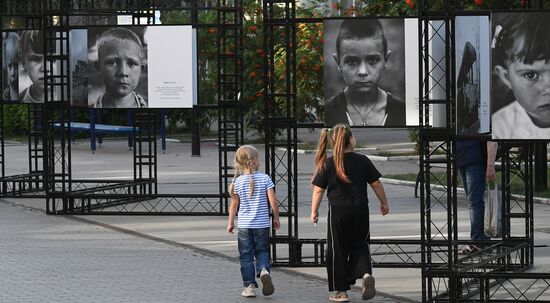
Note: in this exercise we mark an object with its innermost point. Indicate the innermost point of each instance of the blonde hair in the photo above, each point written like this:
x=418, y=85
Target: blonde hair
x=118, y=34
x=11, y=47
x=340, y=139
x=245, y=157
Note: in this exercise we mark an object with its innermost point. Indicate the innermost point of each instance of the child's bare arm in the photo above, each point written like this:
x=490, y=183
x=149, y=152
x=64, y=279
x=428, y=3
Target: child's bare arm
x=316, y=197
x=378, y=189
x=273, y=202
x=232, y=211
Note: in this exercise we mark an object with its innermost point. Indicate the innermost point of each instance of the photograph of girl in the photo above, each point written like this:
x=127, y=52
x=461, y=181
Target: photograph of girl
x=521, y=81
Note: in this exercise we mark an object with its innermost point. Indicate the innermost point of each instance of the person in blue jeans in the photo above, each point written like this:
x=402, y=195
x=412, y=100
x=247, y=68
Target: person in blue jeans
x=476, y=165
x=252, y=192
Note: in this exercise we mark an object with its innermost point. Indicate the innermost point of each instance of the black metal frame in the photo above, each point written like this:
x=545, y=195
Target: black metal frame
x=50, y=149
x=30, y=184
x=467, y=278
x=282, y=144
x=496, y=272
x=446, y=276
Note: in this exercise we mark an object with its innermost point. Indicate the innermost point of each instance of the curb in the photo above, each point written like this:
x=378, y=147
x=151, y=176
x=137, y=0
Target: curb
x=460, y=190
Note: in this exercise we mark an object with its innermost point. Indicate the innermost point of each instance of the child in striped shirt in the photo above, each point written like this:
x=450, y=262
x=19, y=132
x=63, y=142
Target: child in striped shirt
x=252, y=191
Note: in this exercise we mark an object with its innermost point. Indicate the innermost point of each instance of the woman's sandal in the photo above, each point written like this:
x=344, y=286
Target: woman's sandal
x=340, y=296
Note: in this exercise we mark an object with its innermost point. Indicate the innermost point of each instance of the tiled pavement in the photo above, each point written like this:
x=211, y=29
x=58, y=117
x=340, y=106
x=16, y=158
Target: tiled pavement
x=65, y=259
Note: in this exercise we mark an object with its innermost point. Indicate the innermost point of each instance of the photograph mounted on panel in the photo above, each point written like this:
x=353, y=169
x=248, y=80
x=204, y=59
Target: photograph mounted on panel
x=117, y=67
x=31, y=73
x=10, y=66
x=78, y=51
x=131, y=67
x=521, y=75
x=33, y=67
x=472, y=75
x=364, y=72
x=24, y=67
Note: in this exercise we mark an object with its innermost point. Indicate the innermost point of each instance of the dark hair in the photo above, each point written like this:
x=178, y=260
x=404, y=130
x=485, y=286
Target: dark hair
x=522, y=37
x=360, y=29
x=30, y=40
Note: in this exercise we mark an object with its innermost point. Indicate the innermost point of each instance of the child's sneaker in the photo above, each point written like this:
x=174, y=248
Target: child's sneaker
x=249, y=291
x=367, y=287
x=267, y=284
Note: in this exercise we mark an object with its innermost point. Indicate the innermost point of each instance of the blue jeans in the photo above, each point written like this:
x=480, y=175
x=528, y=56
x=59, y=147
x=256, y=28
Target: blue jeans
x=253, y=243
x=473, y=179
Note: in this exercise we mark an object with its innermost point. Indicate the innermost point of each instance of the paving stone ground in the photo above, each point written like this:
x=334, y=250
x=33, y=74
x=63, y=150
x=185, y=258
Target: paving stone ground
x=60, y=259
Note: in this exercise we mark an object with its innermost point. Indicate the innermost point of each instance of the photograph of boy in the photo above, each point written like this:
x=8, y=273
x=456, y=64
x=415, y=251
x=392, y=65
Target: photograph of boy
x=364, y=72
x=31, y=76
x=472, y=74
x=521, y=64
x=10, y=66
x=117, y=62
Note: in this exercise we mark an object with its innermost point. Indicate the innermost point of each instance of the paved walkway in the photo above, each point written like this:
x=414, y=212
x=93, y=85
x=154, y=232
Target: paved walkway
x=185, y=259
x=68, y=259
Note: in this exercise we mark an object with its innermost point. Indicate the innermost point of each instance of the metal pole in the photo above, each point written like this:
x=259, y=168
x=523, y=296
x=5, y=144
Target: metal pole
x=195, y=126
x=541, y=162
x=195, y=134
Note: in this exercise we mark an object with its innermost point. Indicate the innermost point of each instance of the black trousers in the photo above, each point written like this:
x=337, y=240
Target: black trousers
x=348, y=251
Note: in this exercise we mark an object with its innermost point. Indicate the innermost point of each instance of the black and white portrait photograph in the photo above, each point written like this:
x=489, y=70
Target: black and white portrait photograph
x=32, y=68
x=10, y=66
x=78, y=50
x=117, y=67
x=472, y=74
x=521, y=75
x=364, y=72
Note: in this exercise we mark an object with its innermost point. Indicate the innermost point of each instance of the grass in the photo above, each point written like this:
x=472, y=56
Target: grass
x=516, y=186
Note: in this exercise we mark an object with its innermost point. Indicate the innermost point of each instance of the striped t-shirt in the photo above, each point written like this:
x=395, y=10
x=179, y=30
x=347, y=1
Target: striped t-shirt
x=253, y=211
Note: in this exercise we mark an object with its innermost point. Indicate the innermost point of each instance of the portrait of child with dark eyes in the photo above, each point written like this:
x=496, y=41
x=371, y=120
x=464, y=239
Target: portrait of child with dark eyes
x=521, y=61
x=31, y=57
x=361, y=55
x=120, y=62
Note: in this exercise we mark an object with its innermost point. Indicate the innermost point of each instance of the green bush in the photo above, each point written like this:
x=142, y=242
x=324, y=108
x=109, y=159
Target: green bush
x=16, y=118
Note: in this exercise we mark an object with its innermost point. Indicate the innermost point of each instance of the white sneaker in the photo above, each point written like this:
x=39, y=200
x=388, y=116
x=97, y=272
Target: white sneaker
x=367, y=287
x=267, y=284
x=249, y=291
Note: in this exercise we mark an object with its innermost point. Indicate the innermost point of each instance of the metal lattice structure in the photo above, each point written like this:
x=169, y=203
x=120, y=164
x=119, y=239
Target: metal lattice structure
x=288, y=249
x=49, y=124
x=497, y=272
x=491, y=274
x=30, y=183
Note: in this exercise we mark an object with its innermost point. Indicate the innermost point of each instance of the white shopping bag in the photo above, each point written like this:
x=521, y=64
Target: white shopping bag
x=493, y=211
